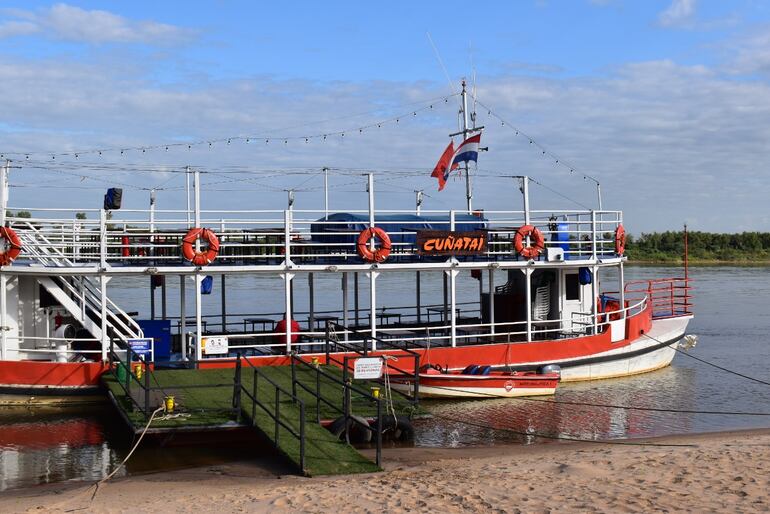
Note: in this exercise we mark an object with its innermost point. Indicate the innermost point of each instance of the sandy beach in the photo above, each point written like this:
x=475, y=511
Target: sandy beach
x=724, y=472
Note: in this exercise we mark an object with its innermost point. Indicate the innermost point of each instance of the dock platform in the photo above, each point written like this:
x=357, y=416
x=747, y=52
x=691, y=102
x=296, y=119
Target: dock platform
x=206, y=400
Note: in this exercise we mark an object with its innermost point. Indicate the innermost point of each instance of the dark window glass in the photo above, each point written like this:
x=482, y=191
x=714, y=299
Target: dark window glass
x=572, y=287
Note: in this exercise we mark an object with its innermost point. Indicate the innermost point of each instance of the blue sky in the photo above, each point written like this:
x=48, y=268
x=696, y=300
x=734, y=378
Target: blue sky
x=667, y=102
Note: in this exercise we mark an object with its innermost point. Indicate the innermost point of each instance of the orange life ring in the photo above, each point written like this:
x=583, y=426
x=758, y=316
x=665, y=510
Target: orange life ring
x=14, y=246
x=536, y=242
x=203, y=257
x=620, y=240
x=366, y=253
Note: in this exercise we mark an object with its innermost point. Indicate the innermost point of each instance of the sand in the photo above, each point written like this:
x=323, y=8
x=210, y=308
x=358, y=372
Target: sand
x=725, y=472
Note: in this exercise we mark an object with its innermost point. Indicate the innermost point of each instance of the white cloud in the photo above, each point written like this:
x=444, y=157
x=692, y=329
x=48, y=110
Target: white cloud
x=679, y=13
x=669, y=142
x=72, y=23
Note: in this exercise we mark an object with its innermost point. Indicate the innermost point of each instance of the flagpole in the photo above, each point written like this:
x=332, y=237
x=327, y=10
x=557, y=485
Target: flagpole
x=468, y=186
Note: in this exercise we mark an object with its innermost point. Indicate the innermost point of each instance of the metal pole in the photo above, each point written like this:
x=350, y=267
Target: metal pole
x=345, y=302
x=528, y=299
x=4, y=171
x=468, y=186
x=152, y=251
x=491, y=301
x=163, y=298
x=418, y=294
x=326, y=192
x=599, y=194
x=287, y=277
x=311, y=301
x=3, y=308
x=525, y=191
x=355, y=296
x=418, y=202
x=198, y=276
x=224, y=303
x=453, y=289
x=182, y=317
x=187, y=191
x=372, y=274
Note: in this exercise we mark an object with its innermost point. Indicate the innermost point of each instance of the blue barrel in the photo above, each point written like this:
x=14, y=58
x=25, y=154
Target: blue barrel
x=562, y=236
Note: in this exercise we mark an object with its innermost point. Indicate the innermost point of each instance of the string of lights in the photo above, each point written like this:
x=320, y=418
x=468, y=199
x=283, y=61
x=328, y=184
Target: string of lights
x=266, y=138
x=543, y=150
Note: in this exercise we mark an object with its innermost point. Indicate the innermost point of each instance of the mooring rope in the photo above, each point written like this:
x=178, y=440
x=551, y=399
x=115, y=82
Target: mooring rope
x=707, y=362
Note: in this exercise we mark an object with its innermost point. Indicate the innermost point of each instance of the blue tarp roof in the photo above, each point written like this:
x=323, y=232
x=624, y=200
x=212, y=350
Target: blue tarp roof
x=400, y=227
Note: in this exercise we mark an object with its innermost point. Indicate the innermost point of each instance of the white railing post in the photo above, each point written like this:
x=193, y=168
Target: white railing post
x=491, y=300
x=452, y=289
x=102, y=238
x=528, y=275
x=372, y=274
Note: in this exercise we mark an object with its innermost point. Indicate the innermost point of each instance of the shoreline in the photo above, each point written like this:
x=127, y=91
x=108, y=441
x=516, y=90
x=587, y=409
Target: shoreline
x=707, y=472
x=699, y=263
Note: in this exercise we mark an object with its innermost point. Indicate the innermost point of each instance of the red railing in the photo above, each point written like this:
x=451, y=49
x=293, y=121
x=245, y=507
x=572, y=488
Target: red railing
x=668, y=297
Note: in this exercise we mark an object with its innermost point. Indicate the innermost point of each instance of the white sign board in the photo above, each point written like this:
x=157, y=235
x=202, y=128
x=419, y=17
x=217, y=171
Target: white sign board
x=368, y=368
x=215, y=346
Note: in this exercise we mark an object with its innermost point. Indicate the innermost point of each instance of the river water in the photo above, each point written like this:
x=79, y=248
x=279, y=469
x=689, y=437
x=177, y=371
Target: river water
x=731, y=321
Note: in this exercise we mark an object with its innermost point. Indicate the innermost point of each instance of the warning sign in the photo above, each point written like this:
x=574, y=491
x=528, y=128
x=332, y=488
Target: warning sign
x=215, y=346
x=367, y=368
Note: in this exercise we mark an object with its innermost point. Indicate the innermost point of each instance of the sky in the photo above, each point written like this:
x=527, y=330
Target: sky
x=665, y=103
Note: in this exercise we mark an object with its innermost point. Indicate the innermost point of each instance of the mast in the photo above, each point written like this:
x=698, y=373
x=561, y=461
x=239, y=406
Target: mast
x=468, y=186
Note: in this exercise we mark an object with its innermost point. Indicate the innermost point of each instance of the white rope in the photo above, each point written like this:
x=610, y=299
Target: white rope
x=154, y=413
x=388, y=393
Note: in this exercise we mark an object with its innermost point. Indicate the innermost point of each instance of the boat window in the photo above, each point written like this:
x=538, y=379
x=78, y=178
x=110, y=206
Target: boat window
x=571, y=286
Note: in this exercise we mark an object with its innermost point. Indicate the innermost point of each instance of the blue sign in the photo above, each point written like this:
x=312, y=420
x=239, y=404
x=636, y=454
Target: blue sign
x=140, y=346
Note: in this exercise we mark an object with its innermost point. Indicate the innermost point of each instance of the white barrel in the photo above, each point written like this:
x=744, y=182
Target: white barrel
x=64, y=335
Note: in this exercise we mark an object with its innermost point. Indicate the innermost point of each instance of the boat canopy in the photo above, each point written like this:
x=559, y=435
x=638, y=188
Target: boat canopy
x=344, y=227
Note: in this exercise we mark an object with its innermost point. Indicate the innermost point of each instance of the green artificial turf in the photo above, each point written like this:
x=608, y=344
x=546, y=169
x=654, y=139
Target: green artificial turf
x=212, y=406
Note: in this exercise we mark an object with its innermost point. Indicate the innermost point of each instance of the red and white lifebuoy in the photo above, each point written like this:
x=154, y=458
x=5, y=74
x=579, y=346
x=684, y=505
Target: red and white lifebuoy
x=203, y=257
x=364, y=250
x=620, y=240
x=536, y=241
x=13, y=243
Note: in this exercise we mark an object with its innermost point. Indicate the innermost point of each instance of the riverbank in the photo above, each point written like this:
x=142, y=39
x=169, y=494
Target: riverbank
x=719, y=472
x=699, y=263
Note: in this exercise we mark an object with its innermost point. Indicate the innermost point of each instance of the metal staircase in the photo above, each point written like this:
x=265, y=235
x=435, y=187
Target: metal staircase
x=82, y=295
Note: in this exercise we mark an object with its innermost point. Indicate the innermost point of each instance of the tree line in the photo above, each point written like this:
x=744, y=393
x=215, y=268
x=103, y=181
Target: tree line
x=707, y=246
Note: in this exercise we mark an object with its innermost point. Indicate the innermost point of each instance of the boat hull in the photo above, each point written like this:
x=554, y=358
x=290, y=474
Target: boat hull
x=470, y=386
x=42, y=378
x=580, y=359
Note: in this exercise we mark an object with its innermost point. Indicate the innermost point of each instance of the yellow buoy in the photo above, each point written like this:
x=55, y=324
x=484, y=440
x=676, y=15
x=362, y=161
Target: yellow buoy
x=138, y=370
x=376, y=392
x=314, y=362
x=169, y=403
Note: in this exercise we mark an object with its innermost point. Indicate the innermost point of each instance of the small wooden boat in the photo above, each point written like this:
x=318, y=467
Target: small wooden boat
x=479, y=382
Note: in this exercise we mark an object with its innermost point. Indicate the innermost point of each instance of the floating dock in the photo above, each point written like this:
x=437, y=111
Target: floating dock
x=287, y=405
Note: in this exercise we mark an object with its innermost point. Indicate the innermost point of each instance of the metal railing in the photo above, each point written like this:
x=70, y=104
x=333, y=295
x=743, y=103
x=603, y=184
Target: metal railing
x=275, y=413
x=668, y=297
x=268, y=237
x=143, y=400
x=347, y=403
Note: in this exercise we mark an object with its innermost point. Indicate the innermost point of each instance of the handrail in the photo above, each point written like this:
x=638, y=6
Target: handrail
x=238, y=389
x=346, y=411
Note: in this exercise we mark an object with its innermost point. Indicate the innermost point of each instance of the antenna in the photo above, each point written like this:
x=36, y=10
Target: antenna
x=438, y=57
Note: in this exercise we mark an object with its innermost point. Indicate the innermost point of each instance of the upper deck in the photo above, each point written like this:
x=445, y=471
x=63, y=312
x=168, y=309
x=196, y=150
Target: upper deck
x=133, y=241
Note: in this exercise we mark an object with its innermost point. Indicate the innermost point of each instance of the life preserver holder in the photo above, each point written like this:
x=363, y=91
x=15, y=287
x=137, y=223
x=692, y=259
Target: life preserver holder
x=203, y=257
x=620, y=240
x=379, y=254
x=536, y=242
x=13, y=243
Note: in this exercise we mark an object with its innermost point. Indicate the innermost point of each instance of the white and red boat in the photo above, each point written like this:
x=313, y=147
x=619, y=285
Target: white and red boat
x=478, y=382
x=551, y=287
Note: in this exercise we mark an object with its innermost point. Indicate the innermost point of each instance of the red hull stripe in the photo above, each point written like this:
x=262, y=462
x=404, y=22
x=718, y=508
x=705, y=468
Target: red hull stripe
x=57, y=374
